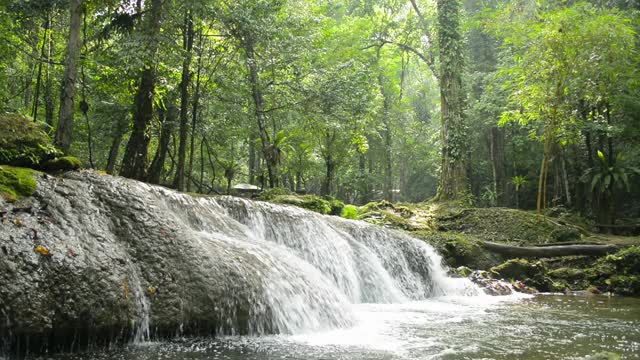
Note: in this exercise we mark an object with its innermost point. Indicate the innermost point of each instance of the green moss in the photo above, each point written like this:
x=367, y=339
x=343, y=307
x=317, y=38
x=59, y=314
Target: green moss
x=573, y=278
x=65, y=163
x=624, y=284
x=23, y=143
x=375, y=206
x=336, y=207
x=350, y=212
x=533, y=274
x=16, y=182
x=619, y=272
x=309, y=202
x=270, y=194
x=506, y=225
x=459, y=249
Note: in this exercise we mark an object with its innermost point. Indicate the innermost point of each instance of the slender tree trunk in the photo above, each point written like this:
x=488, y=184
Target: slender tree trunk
x=36, y=99
x=565, y=179
x=195, y=112
x=252, y=159
x=498, y=164
x=28, y=81
x=167, y=121
x=201, y=187
x=187, y=45
x=386, y=107
x=134, y=162
x=453, y=182
x=258, y=104
x=64, y=130
x=49, y=102
x=330, y=164
x=118, y=133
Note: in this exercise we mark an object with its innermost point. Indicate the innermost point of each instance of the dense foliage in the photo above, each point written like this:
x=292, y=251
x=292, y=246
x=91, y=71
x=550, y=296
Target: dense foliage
x=505, y=102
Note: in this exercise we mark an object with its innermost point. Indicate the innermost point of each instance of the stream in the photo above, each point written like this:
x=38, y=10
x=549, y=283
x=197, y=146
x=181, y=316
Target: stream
x=450, y=327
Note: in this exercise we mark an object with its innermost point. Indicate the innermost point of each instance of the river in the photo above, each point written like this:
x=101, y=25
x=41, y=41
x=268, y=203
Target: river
x=450, y=327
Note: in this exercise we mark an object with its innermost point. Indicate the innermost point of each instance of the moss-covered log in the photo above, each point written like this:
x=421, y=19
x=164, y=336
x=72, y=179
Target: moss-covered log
x=549, y=251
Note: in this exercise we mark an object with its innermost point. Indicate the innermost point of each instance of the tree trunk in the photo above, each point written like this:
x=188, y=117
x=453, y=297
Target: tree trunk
x=64, y=130
x=386, y=107
x=498, y=164
x=549, y=251
x=187, y=45
x=327, y=185
x=49, y=102
x=330, y=164
x=36, y=99
x=453, y=182
x=194, y=115
x=134, y=163
x=258, y=104
x=167, y=121
x=118, y=133
x=34, y=39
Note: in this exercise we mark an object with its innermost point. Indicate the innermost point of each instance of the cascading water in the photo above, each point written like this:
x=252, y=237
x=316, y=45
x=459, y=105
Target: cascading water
x=314, y=267
x=130, y=258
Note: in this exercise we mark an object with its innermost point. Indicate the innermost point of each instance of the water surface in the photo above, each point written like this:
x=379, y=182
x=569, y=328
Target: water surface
x=450, y=327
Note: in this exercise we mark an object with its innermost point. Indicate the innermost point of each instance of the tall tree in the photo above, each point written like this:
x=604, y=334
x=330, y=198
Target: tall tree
x=187, y=45
x=64, y=129
x=453, y=183
x=134, y=163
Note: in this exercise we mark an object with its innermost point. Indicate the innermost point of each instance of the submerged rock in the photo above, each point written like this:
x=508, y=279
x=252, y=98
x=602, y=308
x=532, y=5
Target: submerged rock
x=490, y=285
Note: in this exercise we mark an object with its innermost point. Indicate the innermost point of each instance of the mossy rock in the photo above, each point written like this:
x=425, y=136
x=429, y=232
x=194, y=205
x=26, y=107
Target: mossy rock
x=460, y=250
x=507, y=226
x=309, y=202
x=61, y=164
x=270, y=194
x=16, y=183
x=23, y=143
x=619, y=272
x=533, y=274
x=573, y=278
x=624, y=284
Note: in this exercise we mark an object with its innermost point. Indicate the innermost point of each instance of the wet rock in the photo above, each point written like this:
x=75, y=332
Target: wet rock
x=490, y=285
x=61, y=164
x=531, y=273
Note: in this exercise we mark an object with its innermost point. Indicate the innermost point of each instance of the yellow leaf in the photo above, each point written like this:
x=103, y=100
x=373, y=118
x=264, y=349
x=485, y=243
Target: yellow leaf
x=42, y=250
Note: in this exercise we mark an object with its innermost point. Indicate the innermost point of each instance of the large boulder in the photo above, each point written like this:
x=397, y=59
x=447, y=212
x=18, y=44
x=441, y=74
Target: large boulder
x=23, y=143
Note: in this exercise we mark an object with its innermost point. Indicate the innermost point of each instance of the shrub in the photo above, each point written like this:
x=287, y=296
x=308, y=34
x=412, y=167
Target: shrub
x=350, y=212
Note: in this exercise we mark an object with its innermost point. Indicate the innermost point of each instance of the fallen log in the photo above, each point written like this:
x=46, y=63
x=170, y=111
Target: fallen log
x=549, y=251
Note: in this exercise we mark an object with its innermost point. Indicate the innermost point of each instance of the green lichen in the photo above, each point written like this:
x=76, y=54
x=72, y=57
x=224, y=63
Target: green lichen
x=16, y=183
x=65, y=163
x=23, y=143
x=309, y=202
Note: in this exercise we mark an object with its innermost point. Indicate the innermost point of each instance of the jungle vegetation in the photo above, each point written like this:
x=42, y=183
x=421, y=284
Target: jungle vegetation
x=511, y=103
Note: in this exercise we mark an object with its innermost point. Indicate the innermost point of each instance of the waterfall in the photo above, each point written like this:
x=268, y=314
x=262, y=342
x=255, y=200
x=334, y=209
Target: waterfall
x=133, y=261
x=314, y=267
